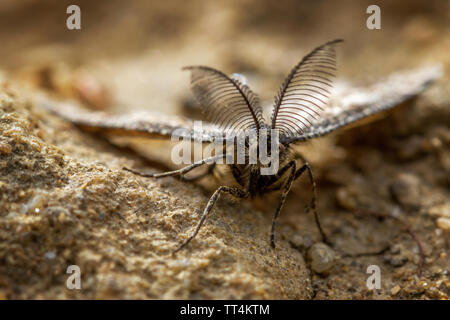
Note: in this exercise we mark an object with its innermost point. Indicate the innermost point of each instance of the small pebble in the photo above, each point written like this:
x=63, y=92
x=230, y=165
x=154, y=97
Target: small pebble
x=442, y=210
x=443, y=223
x=406, y=190
x=321, y=257
x=395, y=290
x=301, y=242
x=5, y=148
x=347, y=198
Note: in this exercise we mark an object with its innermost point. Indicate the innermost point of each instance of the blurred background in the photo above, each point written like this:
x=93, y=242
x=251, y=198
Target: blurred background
x=128, y=55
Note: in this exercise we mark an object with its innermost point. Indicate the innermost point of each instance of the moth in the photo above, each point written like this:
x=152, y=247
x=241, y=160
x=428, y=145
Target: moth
x=303, y=110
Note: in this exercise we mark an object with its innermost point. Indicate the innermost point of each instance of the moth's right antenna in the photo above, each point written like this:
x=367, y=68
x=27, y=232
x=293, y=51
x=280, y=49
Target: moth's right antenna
x=305, y=91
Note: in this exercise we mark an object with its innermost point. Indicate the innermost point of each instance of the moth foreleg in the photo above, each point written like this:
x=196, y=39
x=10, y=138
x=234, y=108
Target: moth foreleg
x=178, y=172
x=230, y=190
x=201, y=175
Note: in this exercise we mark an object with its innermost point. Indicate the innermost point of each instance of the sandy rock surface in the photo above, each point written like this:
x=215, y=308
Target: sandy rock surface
x=66, y=201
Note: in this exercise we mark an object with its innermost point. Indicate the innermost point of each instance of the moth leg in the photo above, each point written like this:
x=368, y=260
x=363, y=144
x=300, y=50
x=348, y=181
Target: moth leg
x=239, y=193
x=313, y=205
x=287, y=188
x=201, y=175
x=181, y=171
x=283, y=170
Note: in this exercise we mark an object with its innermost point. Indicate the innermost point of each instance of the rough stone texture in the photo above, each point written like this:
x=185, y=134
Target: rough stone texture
x=65, y=205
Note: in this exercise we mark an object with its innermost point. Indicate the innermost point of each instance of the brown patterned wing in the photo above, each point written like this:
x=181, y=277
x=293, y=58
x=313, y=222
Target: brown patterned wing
x=351, y=104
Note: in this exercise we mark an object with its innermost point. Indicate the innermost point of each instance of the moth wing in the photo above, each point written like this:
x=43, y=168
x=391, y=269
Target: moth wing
x=144, y=123
x=352, y=104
